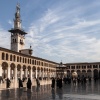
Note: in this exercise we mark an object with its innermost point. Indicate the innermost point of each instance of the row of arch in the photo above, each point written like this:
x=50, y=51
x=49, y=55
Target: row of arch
x=15, y=71
x=83, y=66
x=15, y=58
x=12, y=65
x=90, y=73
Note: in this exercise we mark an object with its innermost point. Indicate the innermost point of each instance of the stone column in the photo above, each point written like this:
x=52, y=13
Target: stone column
x=47, y=74
x=21, y=72
x=86, y=72
x=0, y=71
x=50, y=73
x=98, y=71
x=75, y=68
x=8, y=72
x=36, y=72
x=43, y=74
x=31, y=74
x=26, y=72
x=40, y=73
x=15, y=74
x=92, y=72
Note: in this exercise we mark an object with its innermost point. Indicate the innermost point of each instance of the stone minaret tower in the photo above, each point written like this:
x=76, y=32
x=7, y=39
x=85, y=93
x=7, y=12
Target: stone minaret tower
x=17, y=34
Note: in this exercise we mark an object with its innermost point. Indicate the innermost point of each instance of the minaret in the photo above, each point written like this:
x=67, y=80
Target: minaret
x=17, y=20
x=17, y=34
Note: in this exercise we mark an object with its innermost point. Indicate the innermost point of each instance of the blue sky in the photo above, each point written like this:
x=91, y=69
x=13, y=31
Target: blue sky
x=67, y=30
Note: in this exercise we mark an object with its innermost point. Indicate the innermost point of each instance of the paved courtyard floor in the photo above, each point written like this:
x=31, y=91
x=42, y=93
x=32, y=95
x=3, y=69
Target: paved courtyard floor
x=89, y=91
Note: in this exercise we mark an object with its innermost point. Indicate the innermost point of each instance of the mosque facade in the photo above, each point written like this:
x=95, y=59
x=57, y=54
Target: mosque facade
x=19, y=62
x=85, y=69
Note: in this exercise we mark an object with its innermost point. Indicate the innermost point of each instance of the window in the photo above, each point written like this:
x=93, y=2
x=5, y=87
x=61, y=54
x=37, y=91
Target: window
x=33, y=62
x=14, y=58
x=6, y=56
x=23, y=60
x=3, y=55
x=30, y=61
x=20, y=59
x=17, y=59
x=10, y=57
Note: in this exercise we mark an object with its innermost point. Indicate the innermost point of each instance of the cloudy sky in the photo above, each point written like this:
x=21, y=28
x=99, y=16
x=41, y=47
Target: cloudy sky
x=67, y=30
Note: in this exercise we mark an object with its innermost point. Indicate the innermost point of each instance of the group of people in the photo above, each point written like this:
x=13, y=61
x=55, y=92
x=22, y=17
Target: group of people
x=57, y=81
x=74, y=80
x=20, y=83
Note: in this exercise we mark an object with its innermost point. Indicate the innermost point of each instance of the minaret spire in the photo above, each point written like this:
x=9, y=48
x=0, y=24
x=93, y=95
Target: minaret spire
x=17, y=20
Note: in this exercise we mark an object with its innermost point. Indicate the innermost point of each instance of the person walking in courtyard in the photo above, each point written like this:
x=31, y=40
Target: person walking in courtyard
x=53, y=83
x=60, y=83
x=74, y=81
x=37, y=82
x=8, y=83
x=29, y=83
x=20, y=83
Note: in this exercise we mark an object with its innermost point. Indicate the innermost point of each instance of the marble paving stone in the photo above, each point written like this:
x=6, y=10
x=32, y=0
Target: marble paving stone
x=89, y=91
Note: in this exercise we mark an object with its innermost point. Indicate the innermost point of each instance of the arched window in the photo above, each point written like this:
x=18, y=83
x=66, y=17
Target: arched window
x=42, y=63
x=37, y=62
x=30, y=61
x=6, y=56
x=17, y=59
x=33, y=62
x=3, y=56
x=20, y=59
x=14, y=58
x=23, y=60
x=10, y=57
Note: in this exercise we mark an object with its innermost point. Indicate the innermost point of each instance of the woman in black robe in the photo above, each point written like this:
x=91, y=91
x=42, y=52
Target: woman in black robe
x=29, y=83
x=8, y=83
x=20, y=83
x=53, y=83
x=60, y=83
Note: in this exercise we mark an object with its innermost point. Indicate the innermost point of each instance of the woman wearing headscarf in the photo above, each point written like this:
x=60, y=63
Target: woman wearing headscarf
x=29, y=83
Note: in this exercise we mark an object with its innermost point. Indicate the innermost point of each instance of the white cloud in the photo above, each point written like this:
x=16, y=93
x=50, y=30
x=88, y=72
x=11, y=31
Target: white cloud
x=65, y=42
x=11, y=23
x=4, y=38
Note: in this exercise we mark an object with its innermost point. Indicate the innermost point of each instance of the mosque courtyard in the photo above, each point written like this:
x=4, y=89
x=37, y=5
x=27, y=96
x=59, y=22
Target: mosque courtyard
x=88, y=91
